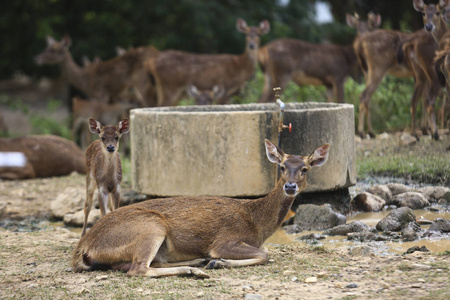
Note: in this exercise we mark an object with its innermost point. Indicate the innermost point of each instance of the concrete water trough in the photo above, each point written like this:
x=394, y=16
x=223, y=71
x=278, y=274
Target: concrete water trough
x=219, y=149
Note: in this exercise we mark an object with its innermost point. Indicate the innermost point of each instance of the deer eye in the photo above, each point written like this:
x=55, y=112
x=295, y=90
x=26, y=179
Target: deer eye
x=116, y=138
x=304, y=170
x=438, y=13
x=282, y=168
x=103, y=139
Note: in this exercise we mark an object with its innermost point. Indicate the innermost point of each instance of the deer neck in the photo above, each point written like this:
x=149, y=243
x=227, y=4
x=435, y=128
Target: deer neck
x=269, y=212
x=73, y=73
x=248, y=61
x=441, y=29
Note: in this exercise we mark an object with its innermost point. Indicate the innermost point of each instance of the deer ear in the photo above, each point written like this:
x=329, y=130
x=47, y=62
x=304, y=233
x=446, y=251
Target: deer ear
x=219, y=91
x=418, y=5
x=444, y=4
x=95, y=126
x=67, y=41
x=351, y=20
x=241, y=25
x=274, y=154
x=50, y=40
x=124, y=126
x=319, y=156
x=264, y=26
x=192, y=91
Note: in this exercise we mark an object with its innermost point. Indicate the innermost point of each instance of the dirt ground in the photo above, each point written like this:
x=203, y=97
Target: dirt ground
x=35, y=263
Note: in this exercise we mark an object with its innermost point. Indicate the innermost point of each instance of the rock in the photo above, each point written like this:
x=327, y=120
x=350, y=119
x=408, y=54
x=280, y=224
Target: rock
x=416, y=248
x=312, y=236
x=442, y=201
x=407, y=139
x=3, y=206
x=422, y=221
x=130, y=197
x=434, y=193
x=344, y=229
x=69, y=201
x=383, y=136
x=292, y=229
x=396, y=220
x=253, y=297
x=410, y=232
x=412, y=200
x=314, y=217
x=367, y=202
x=77, y=219
x=311, y=280
x=381, y=191
x=359, y=251
x=441, y=225
x=351, y=286
x=398, y=188
x=367, y=236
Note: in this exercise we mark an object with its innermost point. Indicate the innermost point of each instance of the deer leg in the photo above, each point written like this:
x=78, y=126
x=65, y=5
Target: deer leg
x=374, y=79
x=146, y=252
x=90, y=189
x=236, y=254
x=339, y=91
x=103, y=200
x=417, y=93
x=191, y=263
x=116, y=198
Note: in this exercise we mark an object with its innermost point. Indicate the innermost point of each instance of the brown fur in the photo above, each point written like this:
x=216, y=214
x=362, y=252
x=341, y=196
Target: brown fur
x=46, y=155
x=164, y=237
x=104, y=167
x=304, y=63
x=104, y=81
x=175, y=70
x=205, y=97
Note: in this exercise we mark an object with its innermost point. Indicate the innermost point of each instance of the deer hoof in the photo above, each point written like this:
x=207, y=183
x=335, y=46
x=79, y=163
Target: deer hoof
x=199, y=273
x=215, y=264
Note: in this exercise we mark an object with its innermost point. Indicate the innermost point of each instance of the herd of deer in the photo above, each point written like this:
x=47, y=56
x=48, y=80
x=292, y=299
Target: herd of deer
x=161, y=78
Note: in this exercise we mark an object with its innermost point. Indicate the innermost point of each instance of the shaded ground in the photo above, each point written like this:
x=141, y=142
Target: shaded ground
x=35, y=264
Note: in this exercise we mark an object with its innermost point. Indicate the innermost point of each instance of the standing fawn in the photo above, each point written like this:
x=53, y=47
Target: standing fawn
x=103, y=167
x=170, y=236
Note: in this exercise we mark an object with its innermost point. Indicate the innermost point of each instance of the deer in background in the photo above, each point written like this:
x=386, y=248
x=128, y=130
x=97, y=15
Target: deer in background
x=39, y=156
x=419, y=52
x=169, y=236
x=104, y=167
x=104, y=81
x=305, y=63
x=105, y=113
x=175, y=70
x=379, y=52
x=205, y=97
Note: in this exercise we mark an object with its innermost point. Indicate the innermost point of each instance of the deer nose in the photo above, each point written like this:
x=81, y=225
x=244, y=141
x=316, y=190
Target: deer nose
x=110, y=148
x=428, y=27
x=252, y=46
x=290, y=188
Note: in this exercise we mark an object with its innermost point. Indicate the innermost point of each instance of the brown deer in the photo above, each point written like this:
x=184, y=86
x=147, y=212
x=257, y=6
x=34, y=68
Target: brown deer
x=305, y=63
x=175, y=70
x=379, y=53
x=164, y=237
x=39, y=156
x=104, y=81
x=205, y=97
x=419, y=53
x=104, y=167
x=105, y=113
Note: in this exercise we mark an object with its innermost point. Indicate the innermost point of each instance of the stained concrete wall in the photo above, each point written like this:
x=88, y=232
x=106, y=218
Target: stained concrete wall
x=219, y=150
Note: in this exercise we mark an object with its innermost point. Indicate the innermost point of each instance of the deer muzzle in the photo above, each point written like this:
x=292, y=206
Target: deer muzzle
x=429, y=27
x=290, y=188
x=110, y=148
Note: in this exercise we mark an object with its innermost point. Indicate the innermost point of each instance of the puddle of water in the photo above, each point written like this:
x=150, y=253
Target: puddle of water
x=371, y=219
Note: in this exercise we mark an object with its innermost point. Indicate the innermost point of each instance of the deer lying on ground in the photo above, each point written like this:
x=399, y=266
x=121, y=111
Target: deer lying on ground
x=39, y=156
x=379, y=52
x=175, y=70
x=205, y=97
x=104, y=81
x=103, y=167
x=165, y=237
x=105, y=113
x=304, y=63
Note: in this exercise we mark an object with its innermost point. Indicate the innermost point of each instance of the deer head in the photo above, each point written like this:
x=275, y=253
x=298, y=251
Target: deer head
x=55, y=51
x=253, y=33
x=294, y=168
x=109, y=134
x=431, y=13
x=205, y=97
x=372, y=23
